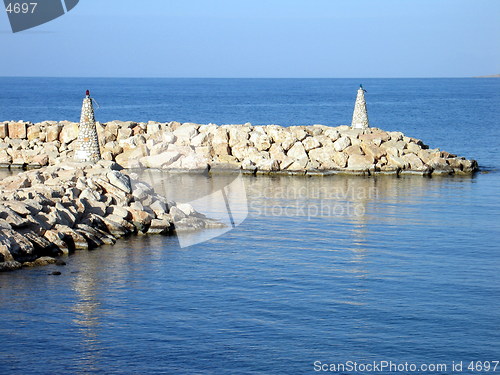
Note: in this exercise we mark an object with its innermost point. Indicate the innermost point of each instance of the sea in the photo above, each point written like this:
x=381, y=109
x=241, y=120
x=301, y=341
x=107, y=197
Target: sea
x=334, y=274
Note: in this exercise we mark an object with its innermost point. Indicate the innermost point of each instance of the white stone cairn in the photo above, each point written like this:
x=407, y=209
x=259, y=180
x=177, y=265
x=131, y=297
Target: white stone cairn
x=360, y=115
x=87, y=143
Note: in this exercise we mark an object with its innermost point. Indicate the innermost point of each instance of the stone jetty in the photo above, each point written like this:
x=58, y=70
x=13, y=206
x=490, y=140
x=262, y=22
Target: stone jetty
x=314, y=149
x=80, y=197
x=56, y=210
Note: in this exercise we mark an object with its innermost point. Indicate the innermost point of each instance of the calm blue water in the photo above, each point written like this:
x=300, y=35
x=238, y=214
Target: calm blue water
x=324, y=269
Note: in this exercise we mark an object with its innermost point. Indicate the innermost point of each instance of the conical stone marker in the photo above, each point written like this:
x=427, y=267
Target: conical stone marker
x=360, y=115
x=87, y=143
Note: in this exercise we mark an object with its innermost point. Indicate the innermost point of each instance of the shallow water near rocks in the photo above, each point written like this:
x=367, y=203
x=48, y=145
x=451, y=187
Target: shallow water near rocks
x=332, y=268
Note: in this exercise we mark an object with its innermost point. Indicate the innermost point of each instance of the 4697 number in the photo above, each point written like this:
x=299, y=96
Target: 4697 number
x=21, y=8
x=480, y=366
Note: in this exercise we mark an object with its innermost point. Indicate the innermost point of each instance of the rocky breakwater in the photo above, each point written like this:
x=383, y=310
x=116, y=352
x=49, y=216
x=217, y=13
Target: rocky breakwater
x=56, y=210
x=315, y=149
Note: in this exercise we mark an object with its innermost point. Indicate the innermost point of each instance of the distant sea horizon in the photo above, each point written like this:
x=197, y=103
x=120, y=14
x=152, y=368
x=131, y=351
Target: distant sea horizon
x=210, y=77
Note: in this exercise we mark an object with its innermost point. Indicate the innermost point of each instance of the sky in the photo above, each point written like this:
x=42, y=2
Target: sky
x=260, y=38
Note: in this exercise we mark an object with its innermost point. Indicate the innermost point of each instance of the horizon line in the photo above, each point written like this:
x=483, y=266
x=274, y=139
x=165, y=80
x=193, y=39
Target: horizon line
x=195, y=77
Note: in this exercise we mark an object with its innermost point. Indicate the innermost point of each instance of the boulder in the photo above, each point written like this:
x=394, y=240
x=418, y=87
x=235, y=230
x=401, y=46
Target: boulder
x=19, y=246
x=119, y=211
x=42, y=261
x=191, y=162
x=369, y=148
x=277, y=152
x=267, y=165
x=353, y=149
x=340, y=159
x=298, y=164
x=310, y=143
x=321, y=155
x=185, y=133
x=78, y=241
x=130, y=158
x=5, y=158
x=331, y=133
x=9, y=266
x=17, y=130
x=414, y=161
x=161, y=160
x=238, y=135
x=186, y=208
x=120, y=180
x=357, y=162
x=260, y=140
x=199, y=140
x=298, y=132
x=159, y=208
x=19, y=207
x=152, y=128
x=297, y=151
x=5, y=255
x=4, y=130
x=34, y=132
x=283, y=137
x=69, y=132
x=159, y=226
x=375, y=134
x=12, y=218
x=396, y=162
x=413, y=148
x=40, y=160
x=141, y=218
x=52, y=133
x=243, y=151
x=342, y=143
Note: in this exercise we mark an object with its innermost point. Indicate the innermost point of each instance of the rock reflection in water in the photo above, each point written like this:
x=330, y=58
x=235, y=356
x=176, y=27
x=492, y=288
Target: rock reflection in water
x=340, y=197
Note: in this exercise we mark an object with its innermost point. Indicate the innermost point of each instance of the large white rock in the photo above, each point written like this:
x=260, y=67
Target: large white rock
x=260, y=140
x=297, y=151
x=415, y=162
x=119, y=180
x=342, y=143
x=186, y=131
x=160, y=160
x=321, y=154
x=186, y=208
x=358, y=162
x=69, y=133
x=310, y=143
x=267, y=165
x=199, y=140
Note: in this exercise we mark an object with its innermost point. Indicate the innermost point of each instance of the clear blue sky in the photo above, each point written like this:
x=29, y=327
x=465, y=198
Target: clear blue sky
x=260, y=38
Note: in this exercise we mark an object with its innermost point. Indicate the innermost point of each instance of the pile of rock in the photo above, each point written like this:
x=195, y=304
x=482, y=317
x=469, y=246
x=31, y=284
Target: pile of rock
x=56, y=210
x=315, y=149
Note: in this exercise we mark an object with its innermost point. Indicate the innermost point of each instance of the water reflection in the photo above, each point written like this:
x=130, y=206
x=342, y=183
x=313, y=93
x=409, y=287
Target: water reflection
x=307, y=279
x=87, y=316
x=101, y=283
x=353, y=198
